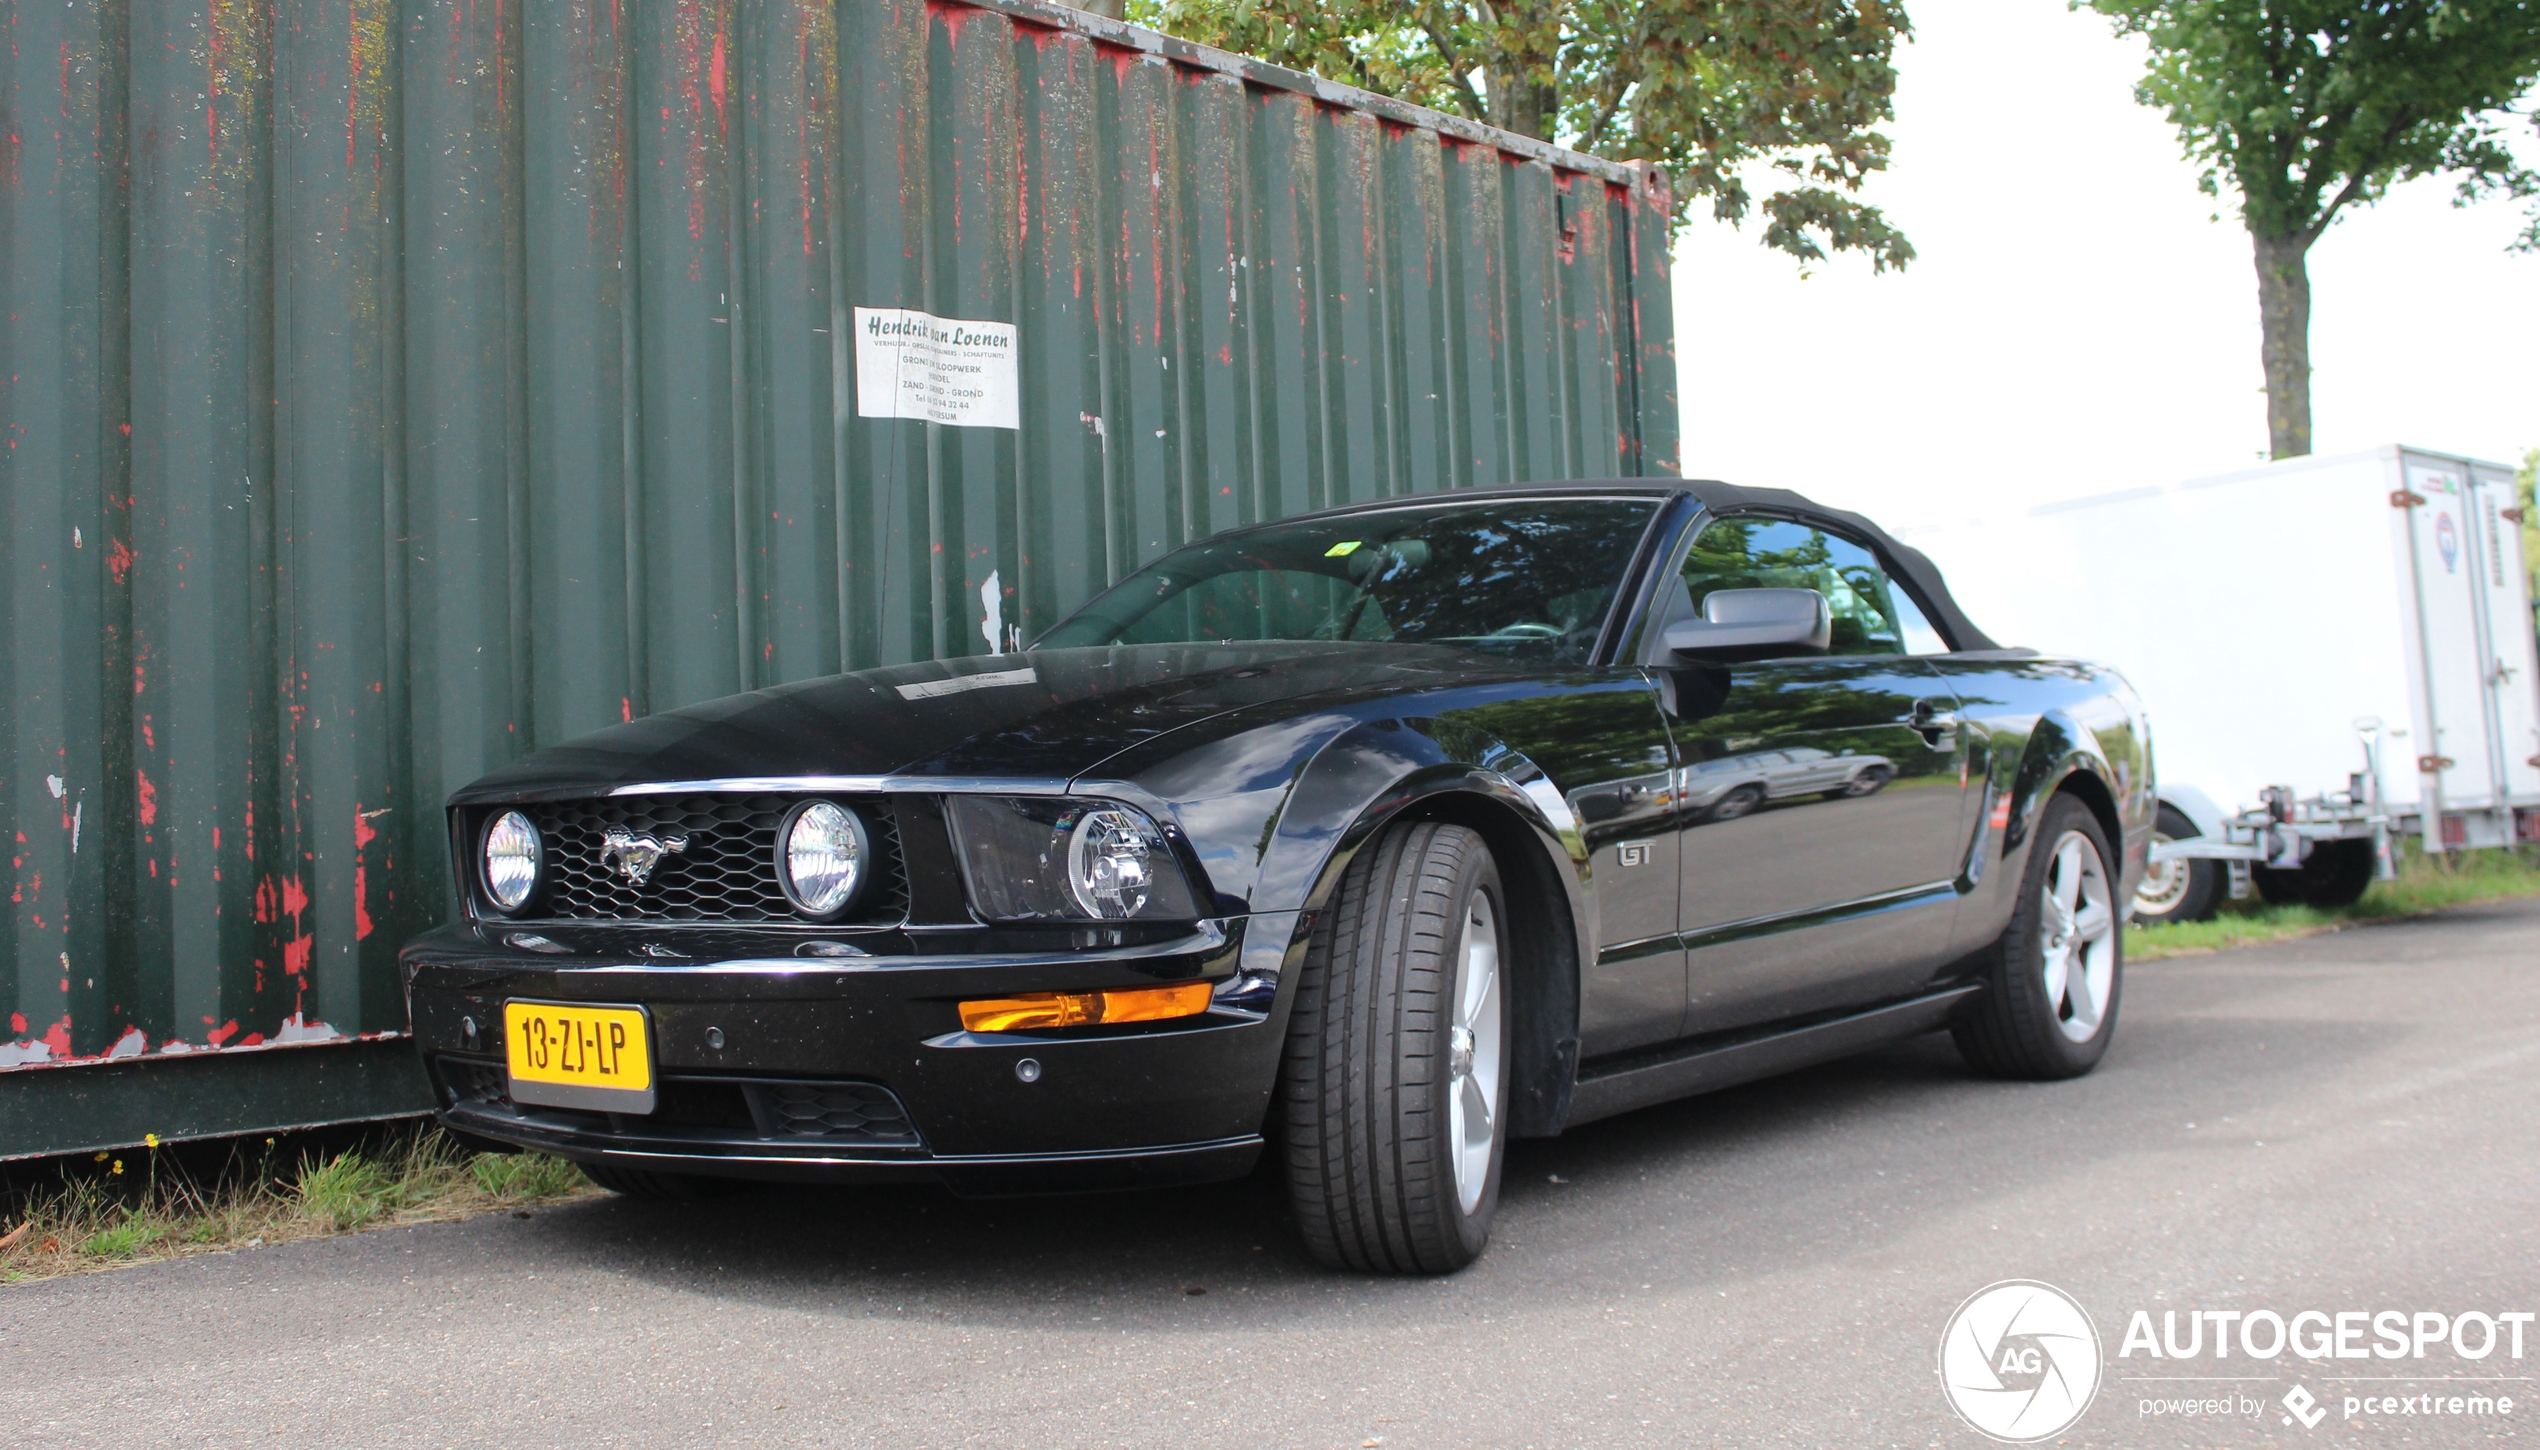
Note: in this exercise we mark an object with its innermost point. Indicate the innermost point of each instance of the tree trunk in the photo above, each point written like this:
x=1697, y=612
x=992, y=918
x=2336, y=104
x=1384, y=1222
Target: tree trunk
x=1519, y=105
x=2284, y=320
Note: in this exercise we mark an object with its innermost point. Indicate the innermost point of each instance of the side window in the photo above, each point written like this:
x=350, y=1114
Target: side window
x=1872, y=614
x=1920, y=637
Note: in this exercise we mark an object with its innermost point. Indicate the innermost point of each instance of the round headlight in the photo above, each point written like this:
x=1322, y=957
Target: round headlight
x=821, y=861
x=511, y=860
x=1108, y=862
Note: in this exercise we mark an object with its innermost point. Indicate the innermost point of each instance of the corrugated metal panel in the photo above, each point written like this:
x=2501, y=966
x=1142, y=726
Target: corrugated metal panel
x=393, y=388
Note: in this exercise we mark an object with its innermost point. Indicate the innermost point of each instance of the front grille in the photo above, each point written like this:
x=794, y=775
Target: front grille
x=727, y=871
x=841, y=1111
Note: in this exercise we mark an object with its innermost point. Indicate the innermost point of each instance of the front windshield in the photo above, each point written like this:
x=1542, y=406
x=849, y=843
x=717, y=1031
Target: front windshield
x=1528, y=578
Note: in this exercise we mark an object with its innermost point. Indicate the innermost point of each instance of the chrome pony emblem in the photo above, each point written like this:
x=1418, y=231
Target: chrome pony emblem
x=633, y=856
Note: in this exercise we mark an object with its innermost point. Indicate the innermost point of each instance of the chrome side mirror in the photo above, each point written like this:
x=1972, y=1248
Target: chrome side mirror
x=1754, y=624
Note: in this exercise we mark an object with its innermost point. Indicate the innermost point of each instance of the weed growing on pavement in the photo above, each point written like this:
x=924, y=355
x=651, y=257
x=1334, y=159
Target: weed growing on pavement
x=2426, y=883
x=129, y=1207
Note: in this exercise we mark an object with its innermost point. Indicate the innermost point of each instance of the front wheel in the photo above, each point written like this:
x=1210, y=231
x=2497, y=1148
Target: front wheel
x=2052, y=981
x=1739, y=802
x=1870, y=781
x=1394, y=1084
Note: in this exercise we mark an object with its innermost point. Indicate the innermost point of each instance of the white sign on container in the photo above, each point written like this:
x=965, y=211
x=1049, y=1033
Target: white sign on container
x=911, y=364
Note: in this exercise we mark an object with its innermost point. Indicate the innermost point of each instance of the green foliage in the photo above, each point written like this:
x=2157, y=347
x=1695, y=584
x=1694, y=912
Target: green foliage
x=100, y=1219
x=2308, y=106
x=346, y=1191
x=1715, y=91
x=510, y=1176
x=123, y=1240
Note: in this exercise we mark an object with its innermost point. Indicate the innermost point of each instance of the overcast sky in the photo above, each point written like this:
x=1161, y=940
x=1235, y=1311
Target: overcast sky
x=2077, y=321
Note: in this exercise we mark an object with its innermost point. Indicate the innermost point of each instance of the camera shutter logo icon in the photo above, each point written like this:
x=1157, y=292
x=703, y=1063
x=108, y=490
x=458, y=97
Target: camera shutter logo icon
x=2020, y=1361
x=2305, y=1407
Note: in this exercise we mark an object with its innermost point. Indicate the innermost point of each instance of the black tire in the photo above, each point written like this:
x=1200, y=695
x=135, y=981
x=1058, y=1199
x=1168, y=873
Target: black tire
x=1868, y=782
x=1739, y=802
x=2200, y=887
x=2279, y=887
x=1366, y=1078
x=2336, y=874
x=2012, y=1029
x=646, y=1183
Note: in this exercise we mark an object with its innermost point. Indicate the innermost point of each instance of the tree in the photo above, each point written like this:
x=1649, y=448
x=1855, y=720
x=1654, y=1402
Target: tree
x=2309, y=107
x=1716, y=91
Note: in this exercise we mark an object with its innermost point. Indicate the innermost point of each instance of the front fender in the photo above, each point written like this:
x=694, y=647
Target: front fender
x=1539, y=844
x=1396, y=770
x=1275, y=815
x=2058, y=746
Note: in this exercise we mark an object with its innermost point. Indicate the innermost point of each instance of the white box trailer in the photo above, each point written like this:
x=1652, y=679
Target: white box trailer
x=2334, y=650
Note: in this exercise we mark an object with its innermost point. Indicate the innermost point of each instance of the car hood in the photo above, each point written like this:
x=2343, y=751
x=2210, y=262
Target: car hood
x=1044, y=715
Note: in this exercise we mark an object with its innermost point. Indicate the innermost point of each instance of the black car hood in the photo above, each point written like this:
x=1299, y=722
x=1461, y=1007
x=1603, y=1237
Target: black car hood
x=1041, y=715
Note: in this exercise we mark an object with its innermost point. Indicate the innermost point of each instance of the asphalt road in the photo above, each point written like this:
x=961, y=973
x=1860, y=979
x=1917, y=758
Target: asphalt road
x=2342, y=1123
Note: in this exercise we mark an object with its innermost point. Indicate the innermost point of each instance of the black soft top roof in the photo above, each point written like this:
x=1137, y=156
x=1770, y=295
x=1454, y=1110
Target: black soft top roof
x=1919, y=573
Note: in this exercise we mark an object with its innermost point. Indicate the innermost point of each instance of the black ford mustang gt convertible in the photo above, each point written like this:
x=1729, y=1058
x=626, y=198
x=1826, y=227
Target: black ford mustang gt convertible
x=1370, y=839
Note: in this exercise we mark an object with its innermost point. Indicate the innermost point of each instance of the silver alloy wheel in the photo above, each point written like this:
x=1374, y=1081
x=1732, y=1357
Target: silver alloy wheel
x=2164, y=883
x=1473, y=1055
x=2078, y=932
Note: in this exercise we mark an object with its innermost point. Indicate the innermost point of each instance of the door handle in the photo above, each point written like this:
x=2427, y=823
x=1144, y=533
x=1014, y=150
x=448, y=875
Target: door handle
x=1934, y=719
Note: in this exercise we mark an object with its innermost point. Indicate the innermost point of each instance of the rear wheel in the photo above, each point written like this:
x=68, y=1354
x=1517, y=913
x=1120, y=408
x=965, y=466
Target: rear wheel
x=2178, y=889
x=1394, y=1084
x=2052, y=983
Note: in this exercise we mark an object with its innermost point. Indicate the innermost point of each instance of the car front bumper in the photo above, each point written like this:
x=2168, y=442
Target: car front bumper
x=776, y=1066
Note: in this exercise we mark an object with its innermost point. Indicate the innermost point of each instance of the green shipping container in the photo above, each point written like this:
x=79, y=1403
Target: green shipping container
x=392, y=388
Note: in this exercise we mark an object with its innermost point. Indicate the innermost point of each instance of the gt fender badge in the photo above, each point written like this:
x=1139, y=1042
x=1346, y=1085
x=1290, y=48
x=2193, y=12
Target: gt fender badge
x=1631, y=853
x=633, y=856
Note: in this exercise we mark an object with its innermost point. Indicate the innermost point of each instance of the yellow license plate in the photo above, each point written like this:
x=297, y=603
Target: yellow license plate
x=563, y=1055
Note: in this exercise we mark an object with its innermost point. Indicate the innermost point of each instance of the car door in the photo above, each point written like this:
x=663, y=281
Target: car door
x=1831, y=886
x=1601, y=741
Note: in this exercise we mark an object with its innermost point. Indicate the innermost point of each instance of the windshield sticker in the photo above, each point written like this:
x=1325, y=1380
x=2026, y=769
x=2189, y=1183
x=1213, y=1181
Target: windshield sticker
x=931, y=688
x=1342, y=551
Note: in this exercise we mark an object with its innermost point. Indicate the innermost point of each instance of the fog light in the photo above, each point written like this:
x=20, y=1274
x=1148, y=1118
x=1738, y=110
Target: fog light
x=511, y=860
x=1033, y=1010
x=821, y=863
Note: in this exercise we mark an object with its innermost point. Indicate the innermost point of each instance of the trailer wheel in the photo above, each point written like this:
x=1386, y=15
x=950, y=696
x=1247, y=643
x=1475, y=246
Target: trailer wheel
x=2337, y=874
x=2178, y=890
x=2279, y=886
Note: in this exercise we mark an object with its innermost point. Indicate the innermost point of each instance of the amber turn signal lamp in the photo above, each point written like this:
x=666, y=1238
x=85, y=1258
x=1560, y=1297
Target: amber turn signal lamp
x=1084, y=1009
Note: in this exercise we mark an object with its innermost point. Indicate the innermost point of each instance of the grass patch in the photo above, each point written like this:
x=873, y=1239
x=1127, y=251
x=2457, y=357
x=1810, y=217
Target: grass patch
x=136, y=1207
x=2426, y=883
